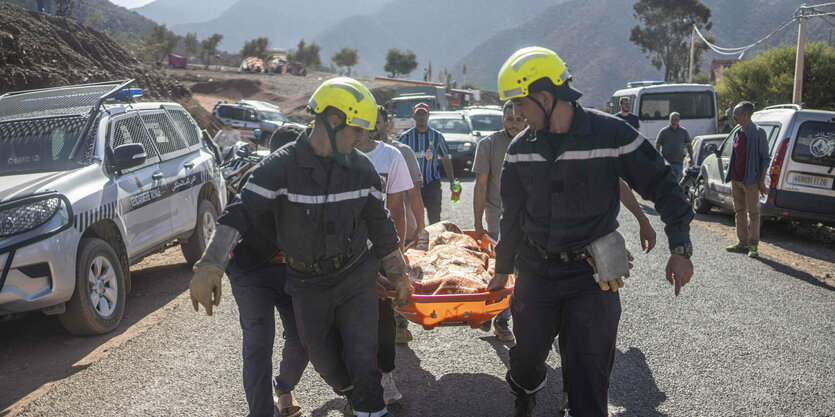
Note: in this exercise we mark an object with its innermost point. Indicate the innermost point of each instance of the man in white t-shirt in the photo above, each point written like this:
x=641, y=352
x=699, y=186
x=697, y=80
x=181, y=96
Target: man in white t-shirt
x=391, y=166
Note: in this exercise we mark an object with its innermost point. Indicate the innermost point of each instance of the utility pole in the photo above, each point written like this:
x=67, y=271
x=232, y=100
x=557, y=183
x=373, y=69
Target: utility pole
x=798, y=65
x=692, y=54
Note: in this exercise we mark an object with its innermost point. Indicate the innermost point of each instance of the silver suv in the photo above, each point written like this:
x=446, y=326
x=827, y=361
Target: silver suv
x=800, y=178
x=248, y=115
x=92, y=182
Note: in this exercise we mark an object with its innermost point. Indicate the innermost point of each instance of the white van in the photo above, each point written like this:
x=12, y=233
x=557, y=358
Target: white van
x=653, y=101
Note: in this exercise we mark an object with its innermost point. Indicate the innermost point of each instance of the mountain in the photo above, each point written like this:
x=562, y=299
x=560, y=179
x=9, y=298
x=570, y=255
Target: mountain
x=284, y=22
x=175, y=12
x=118, y=20
x=592, y=36
x=438, y=31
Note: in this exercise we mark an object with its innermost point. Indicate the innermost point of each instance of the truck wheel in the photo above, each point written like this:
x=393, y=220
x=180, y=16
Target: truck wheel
x=98, y=301
x=698, y=199
x=199, y=239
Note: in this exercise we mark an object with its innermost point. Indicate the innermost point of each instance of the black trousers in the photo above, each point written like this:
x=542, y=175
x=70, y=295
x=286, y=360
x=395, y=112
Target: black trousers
x=386, y=331
x=564, y=299
x=258, y=295
x=431, y=194
x=338, y=324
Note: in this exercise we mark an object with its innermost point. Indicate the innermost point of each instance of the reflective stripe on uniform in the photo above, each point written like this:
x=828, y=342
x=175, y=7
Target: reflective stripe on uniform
x=313, y=199
x=524, y=157
x=602, y=153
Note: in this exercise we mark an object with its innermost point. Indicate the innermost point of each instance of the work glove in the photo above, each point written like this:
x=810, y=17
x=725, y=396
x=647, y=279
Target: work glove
x=394, y=268
x=615, y=284
x=204, y=287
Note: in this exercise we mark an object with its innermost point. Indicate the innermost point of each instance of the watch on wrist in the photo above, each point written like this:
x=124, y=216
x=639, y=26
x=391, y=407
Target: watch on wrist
x=685, y=250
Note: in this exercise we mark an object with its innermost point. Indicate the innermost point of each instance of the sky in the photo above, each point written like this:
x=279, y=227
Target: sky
x=131, y=3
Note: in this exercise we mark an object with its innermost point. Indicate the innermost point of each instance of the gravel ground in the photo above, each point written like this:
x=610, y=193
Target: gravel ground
x=746, y=337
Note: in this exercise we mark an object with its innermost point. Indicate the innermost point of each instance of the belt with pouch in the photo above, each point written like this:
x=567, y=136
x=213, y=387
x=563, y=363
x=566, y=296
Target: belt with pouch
x=559, y=257
x=328, y=265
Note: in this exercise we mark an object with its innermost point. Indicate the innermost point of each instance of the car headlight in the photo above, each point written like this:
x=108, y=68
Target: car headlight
x=465, y=146
x=21, y=218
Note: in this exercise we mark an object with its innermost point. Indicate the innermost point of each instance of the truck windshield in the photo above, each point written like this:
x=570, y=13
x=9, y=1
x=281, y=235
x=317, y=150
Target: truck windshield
x=39, y=145
x=403, y=109
x=691, y=105
x=487, y=122
x=449, y=125
x=273, y=116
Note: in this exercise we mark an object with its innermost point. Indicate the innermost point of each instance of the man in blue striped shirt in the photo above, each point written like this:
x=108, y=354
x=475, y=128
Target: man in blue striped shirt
x=429, y=146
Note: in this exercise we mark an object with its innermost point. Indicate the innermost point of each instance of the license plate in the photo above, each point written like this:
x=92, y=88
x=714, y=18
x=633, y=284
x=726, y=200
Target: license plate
x=813, y=181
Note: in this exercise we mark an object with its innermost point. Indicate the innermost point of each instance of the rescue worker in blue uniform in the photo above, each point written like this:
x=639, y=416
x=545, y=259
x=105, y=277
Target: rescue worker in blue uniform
x=560, y=199
x=326, y=199
x=257, y=273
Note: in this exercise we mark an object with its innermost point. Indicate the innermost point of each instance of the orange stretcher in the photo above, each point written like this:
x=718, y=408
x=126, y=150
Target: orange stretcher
x=459, y=309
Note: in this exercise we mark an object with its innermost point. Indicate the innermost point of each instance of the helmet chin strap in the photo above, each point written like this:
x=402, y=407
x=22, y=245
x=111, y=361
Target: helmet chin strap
x=545, y=112
x=320, y=119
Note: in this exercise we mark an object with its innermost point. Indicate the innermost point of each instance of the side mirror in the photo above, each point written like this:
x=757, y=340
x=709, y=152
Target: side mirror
x=477, y=134
x=129, y=155
x=712, y=148
x=257, y=133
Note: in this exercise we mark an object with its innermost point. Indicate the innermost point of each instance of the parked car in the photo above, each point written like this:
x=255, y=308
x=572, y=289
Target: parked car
x=91, y=186
x=248, y=115
x=800, y=177
x=703, y=146
x=458, y=135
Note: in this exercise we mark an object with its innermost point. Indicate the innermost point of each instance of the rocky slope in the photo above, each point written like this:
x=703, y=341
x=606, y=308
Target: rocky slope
x=39, y=50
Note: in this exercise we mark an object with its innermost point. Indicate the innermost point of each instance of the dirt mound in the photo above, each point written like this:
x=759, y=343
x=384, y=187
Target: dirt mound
x=233, y=88
x=38, y=50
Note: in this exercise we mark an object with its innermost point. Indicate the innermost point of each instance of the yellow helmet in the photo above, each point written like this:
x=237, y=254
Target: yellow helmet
x=531, y=64
x=349, y=96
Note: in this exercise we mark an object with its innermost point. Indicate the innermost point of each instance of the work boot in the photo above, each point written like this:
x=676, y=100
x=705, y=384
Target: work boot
x=501, y=328
x=752, y=252
x=390, y=393
x=485, y=327
x=286, y=404
x=403, y=336
x=737, y=248
x=524, y=405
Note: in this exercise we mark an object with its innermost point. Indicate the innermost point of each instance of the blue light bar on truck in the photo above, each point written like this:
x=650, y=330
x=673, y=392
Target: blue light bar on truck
x=128, y=93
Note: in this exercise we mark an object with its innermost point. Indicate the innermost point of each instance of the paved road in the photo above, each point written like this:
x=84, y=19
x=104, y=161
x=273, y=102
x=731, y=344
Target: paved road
x=746, y=337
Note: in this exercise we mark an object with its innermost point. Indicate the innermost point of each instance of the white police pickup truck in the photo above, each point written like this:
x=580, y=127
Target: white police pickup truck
x=90, y=183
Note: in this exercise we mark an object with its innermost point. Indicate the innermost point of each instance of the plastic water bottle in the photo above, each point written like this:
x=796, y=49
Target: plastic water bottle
x=456, y=191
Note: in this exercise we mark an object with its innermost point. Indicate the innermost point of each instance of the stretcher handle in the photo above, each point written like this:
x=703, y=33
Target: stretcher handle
x=492, y=297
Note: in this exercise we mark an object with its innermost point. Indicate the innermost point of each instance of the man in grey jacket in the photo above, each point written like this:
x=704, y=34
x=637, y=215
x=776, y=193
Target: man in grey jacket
x=746, y=172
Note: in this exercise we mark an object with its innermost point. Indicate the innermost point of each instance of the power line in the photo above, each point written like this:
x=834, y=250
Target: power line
x=742, y=49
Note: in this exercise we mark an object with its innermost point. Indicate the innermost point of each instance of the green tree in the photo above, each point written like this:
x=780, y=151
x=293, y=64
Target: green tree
x=160, y=42
x=191, y=43
x=346, y=58
x=96, y=19
x=307, y=55
x=257, y=48
x=770, y=76
x=208, y=48
x=664, y=33
x=400, y=63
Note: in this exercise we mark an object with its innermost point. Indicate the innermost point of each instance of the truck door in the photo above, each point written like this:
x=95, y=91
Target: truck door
x=177, y=164
x=145, y=210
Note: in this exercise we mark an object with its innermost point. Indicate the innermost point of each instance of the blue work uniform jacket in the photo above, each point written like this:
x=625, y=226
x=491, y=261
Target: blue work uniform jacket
x=319, y=213
x=565, y=194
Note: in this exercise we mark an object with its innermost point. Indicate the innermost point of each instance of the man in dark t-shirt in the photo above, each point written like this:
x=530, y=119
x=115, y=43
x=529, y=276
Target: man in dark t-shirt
x=626, y=115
